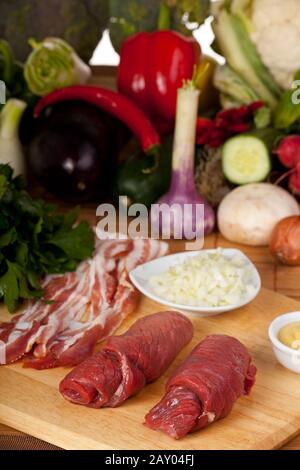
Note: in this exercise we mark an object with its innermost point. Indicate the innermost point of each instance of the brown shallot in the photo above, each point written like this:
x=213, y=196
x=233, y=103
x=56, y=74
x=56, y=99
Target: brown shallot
x=285, y=241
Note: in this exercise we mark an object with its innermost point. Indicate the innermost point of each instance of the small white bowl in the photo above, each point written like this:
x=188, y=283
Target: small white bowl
x=141, y=275
x=288, y=357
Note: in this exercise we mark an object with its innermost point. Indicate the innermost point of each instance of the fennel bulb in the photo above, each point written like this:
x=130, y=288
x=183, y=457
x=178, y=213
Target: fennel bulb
x=54, y=64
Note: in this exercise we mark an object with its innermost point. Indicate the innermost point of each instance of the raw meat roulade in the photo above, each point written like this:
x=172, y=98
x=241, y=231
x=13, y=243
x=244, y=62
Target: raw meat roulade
x=128, y=362
x=204, y=388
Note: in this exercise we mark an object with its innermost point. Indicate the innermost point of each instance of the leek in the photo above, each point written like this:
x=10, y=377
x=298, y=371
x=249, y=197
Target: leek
x=232, y=34
x=227, y=81
x=10, y=147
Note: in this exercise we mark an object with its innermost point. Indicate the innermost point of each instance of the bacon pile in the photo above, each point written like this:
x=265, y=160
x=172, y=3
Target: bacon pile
x=79, y=308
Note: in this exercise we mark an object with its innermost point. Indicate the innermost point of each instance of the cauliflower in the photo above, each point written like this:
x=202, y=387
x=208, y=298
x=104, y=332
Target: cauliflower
x=276, y=34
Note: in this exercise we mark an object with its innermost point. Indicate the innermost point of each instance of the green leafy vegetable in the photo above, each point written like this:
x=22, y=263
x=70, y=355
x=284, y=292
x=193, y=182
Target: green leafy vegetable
x=11, y=72
x=188, y=15
x=79, y=22
x=35, y=241
x=7, y=63
x=134, y=16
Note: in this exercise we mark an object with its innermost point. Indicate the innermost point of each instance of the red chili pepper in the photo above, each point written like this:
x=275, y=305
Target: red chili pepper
x=111, y=102
x=152, y=68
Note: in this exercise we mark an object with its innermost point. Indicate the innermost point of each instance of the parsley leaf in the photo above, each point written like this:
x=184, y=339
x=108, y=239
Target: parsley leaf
x=35, y=241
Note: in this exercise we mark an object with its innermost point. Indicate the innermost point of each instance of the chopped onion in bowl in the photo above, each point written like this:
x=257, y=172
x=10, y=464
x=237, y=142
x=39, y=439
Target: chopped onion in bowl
x=208, y=279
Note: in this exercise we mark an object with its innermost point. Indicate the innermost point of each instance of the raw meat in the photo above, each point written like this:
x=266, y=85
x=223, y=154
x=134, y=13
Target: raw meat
x=86, y=306
x=204, y=388
x=128, y=362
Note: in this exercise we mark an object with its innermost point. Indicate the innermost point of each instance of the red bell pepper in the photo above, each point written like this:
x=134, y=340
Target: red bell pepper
x=152, y=68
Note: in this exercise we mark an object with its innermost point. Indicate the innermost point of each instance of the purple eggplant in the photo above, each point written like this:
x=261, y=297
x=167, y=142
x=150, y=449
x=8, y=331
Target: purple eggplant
x=74, y=152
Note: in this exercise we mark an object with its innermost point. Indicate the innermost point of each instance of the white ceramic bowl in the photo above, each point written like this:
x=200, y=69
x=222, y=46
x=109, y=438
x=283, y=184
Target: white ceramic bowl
x=288, y=357
x=141, y=275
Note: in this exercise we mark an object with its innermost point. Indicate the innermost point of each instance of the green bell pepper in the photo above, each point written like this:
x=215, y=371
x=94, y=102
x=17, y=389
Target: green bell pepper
x=143, y=186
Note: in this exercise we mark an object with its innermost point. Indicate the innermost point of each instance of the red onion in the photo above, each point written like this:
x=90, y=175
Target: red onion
x=188, y=220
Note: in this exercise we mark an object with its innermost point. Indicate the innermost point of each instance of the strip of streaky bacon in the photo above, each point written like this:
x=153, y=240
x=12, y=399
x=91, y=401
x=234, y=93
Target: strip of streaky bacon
x=77, y=342
x=89, y=285
x=68, y=294
x=86, y=306
x=144, y=250
x=18, y=333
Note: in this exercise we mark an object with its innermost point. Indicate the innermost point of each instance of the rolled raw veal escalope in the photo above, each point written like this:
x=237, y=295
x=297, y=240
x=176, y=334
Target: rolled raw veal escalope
x=204, y=387
x=128, y=362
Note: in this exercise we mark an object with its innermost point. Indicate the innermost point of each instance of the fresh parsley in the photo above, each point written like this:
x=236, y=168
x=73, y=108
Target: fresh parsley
x=35, y=241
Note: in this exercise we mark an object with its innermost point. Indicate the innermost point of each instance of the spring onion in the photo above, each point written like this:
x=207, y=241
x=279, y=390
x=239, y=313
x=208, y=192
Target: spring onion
x=10, y=147
x=183, y=193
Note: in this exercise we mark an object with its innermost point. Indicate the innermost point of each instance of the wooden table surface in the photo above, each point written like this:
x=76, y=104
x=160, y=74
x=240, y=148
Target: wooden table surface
x=282, y=279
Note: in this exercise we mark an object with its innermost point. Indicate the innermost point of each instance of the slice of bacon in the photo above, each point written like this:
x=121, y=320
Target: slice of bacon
x=96, y=283
x=85, y=306
x=67, y=348
x=18, y=335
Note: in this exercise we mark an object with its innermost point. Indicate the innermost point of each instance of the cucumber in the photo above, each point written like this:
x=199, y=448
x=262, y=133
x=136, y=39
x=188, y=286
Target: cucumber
x=247, y=158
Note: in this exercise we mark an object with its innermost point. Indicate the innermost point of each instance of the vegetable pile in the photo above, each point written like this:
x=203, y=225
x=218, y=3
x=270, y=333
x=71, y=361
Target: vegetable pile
x=35, y=241
x=232, y=125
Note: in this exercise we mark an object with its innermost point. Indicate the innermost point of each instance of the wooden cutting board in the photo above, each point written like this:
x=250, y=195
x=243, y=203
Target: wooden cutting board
x=30, y=402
